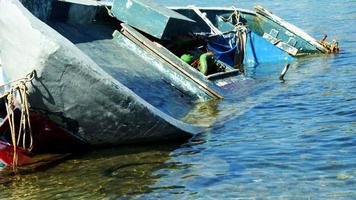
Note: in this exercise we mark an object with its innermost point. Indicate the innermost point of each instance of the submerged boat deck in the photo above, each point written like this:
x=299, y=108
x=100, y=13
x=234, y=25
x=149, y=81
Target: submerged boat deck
x=129, y=65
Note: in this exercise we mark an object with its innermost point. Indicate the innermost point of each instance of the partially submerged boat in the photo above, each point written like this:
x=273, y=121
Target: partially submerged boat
x=98, y=73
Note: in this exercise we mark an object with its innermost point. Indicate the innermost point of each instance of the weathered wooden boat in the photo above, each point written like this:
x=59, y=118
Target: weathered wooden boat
x=262, y=22
x=99, y=75
x=272, y=28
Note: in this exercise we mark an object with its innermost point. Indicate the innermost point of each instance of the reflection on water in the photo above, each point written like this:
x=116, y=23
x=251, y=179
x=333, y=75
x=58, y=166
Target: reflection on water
x=291, y=140
x=203, y=114
x=103, y=173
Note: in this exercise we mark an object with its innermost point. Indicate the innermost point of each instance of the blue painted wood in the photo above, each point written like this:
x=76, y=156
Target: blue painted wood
x=262, y=25
x=151, y=18
x=256, y=23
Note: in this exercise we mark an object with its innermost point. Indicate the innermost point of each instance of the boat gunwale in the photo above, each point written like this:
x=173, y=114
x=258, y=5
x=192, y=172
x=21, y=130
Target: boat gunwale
x=275, y=19
x=264, y=12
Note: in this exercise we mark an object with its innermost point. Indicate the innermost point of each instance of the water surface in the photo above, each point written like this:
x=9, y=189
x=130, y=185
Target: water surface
x=291, y=140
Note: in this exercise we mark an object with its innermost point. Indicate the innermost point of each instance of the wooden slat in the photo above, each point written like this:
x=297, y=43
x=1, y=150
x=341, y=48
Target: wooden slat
x=220, y=75
x=214, y=30
x=90, y=2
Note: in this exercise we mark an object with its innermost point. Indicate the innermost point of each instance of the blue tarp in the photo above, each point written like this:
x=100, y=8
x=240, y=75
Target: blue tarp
x=257, y=50
x=224, y=48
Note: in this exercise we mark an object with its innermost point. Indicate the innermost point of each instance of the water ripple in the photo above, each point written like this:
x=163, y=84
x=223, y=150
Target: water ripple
x=292, y=140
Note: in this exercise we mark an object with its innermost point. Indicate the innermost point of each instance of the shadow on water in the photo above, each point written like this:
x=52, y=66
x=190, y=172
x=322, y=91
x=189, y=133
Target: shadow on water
x=105, y=173
x=38, y=163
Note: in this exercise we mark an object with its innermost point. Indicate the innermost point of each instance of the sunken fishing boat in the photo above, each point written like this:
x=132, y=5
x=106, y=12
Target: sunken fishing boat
x=101, y=73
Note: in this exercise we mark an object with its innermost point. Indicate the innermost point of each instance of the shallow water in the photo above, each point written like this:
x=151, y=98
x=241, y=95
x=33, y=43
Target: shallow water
x=291, y=140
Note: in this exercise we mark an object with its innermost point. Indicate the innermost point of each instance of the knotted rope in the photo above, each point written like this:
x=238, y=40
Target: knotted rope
x=241, y=34
x=19, y=87
x=234, y=18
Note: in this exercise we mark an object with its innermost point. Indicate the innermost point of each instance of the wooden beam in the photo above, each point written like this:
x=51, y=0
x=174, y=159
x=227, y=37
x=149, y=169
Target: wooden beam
x=90, y=2
x=213, y=29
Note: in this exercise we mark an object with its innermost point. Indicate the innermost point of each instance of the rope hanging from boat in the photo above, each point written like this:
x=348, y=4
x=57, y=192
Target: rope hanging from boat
x=241, y=35
x=234, y=18
x=18, y=87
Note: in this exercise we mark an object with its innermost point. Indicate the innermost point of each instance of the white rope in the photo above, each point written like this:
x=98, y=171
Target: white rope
x=19, y=87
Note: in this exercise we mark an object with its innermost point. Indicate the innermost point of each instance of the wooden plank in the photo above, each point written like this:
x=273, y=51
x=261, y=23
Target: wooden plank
x=149, y=45
x=225, y=9
x=90, y=2
x=213, y=29
x=109, y=3
x=221, y=75
x=282, y=45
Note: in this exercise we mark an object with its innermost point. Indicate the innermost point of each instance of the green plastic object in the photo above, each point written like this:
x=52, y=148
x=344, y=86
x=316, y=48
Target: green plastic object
x=187, y=58
x=206, y=63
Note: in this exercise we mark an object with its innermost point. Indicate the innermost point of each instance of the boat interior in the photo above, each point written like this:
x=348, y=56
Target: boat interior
x=97, y=34
x=163, y=69
x=193, y=41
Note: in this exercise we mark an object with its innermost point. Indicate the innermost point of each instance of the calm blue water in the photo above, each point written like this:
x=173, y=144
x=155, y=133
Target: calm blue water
x=292, y=140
